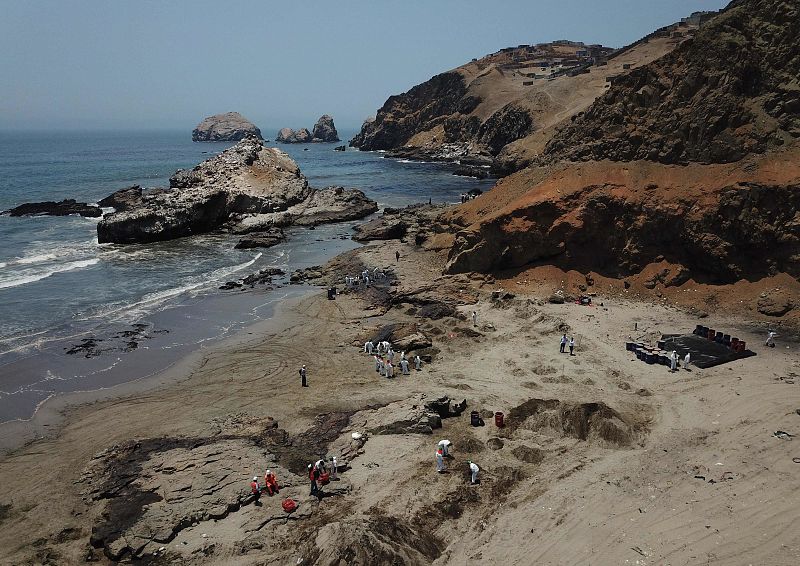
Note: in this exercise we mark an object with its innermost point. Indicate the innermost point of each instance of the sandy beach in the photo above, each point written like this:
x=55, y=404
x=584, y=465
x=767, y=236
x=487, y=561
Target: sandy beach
x=603, y=459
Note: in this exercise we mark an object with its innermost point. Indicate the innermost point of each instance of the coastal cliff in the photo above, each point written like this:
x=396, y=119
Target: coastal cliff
x=229, y=190
x=609, y=196
x=503, y=108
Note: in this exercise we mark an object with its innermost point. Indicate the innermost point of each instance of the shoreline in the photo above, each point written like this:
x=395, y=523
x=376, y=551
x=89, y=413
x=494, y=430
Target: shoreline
x=53, y=413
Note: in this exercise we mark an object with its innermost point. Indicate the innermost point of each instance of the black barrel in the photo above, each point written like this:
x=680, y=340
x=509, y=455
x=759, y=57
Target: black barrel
x=475, y=418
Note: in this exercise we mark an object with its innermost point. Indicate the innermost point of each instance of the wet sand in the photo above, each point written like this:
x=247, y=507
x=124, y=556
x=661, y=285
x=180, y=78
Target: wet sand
x=603, y=460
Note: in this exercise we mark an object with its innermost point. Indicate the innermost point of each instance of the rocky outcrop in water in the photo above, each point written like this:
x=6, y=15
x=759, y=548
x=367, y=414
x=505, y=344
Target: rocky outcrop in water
x=229, y=190
x=230, y=126
x=123, y=199
x=50, y=208
x=288, y=135
x=267, y=239
x=325, y=130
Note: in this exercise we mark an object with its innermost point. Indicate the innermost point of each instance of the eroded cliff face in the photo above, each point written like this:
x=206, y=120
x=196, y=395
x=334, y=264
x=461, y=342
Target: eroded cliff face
x=721, y=223
x=403, y=115
x=731, y=91
x=691, y=160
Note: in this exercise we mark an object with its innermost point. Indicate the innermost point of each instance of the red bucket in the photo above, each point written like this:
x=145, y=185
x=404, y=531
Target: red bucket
x=289, y=505
x=499, y=419
x=325, y=478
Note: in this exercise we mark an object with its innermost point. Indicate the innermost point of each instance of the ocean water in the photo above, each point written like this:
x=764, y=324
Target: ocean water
x=59, y=287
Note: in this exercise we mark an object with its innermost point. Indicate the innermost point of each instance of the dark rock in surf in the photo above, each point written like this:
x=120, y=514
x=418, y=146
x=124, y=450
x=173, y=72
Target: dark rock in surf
x=50, y=208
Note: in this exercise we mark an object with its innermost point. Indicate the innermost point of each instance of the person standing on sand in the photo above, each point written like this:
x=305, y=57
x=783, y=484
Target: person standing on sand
x=255, y=490
x=404, y=366
x=389, y=370
x=397, y=256
x=334, y=465
x=673, y=361
x=368, y=347
x=571, y=345
x=303, y=376
x=474, y=318
x=417, y=363
x=313, y=474
x=474, y=469
x=686, y=360
x=377, y=363
x=563, y=342
x=439, y=461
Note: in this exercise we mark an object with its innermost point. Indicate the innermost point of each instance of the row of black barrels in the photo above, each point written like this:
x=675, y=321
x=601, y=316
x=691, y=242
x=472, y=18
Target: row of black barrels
x=651, y=356
x=720, y=338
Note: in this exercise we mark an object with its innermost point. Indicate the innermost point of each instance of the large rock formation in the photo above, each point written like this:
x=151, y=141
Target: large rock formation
x=230, y=126
x=244, y=182
x=324, y=130
x=288, y=135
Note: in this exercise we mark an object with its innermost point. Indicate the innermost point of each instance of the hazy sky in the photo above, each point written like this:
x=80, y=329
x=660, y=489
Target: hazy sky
x=166, y=64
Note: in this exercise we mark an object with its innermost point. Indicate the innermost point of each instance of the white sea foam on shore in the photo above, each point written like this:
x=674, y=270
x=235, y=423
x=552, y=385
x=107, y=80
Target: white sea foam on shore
x=33, y=277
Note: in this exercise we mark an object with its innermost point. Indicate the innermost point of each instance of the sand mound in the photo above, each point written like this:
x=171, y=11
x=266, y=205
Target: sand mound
x=585, y=421
x=376, y=540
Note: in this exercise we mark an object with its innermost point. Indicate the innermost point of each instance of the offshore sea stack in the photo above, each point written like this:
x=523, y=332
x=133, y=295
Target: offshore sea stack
x=230, y=126
x=246, y=188
x=324, y=132
x=692, y=160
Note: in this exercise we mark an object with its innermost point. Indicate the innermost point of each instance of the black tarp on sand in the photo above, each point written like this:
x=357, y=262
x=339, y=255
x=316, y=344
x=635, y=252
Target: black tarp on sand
x=705, y=353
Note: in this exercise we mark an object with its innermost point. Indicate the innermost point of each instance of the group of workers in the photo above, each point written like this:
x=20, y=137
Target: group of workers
x=270, y=485
x=384, y=359
x=319, y=475
x=567, y=342
x=364, y=278
x=443, y=451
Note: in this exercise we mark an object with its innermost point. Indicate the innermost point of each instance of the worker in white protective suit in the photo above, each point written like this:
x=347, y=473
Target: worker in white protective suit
x=771, y=339
x=474, y=469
